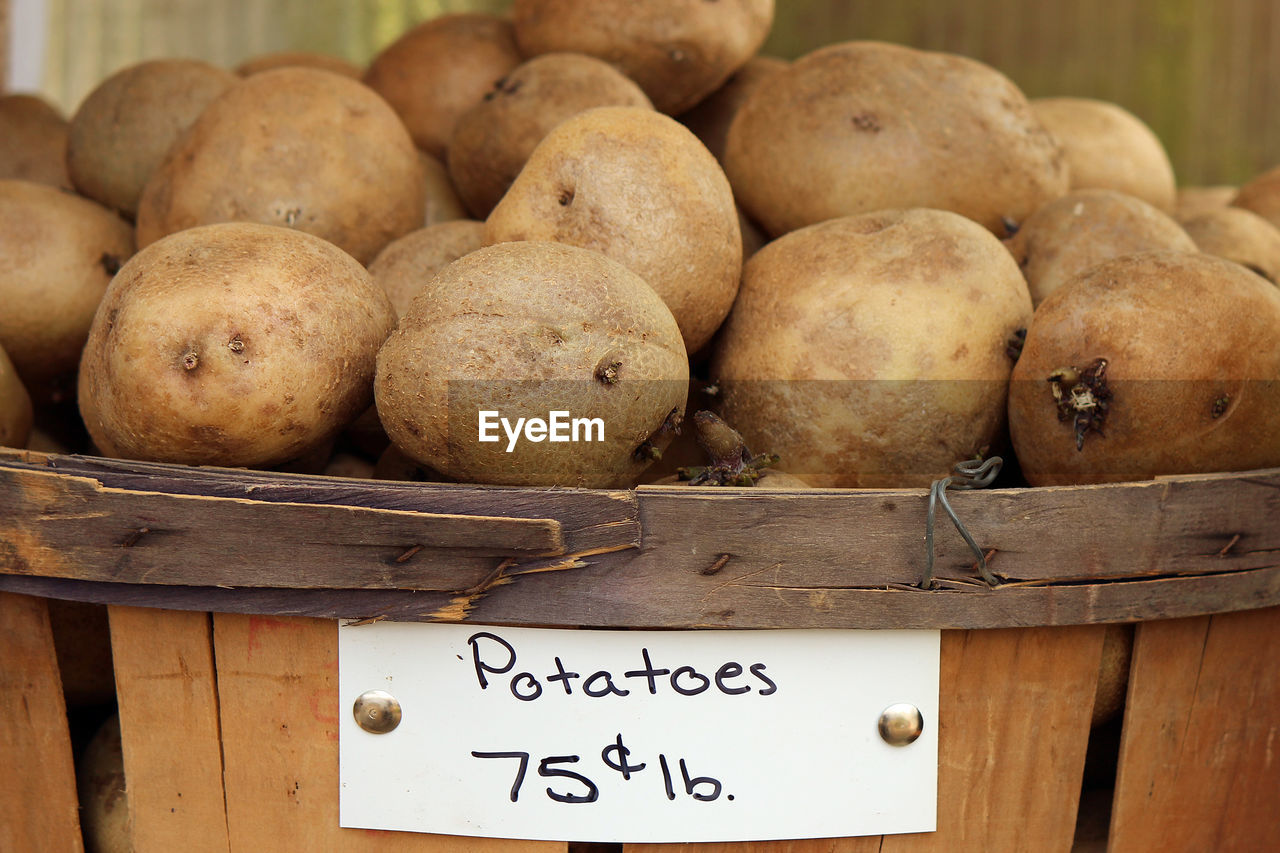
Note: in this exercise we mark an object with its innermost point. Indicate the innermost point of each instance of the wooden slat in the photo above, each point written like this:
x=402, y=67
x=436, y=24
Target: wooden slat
x=38, y=808
x=1013, y=728
x=277, y=682
x=167, y=692
x=64, y=526
x=1200, y=752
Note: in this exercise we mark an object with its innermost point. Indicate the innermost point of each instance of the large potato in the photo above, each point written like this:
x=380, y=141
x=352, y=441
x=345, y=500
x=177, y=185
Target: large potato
x=59, y=252
x=1149, y=364
x=495, y=137
x=1087, y=227
x=639, y=187
x=439, y=69
x=872, y=351
x=863, y=126
x=1107, y=147
x=679, y=51
x=33, y=141
x=234, y=344
x=523, y=330
x=122, y=129
x=296, y=147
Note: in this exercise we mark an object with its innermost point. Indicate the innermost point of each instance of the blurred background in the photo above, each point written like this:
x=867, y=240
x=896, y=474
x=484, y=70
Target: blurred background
x=1204, y=74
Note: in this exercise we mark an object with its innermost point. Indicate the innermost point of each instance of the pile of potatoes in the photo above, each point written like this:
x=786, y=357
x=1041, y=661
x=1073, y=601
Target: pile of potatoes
x=873, y=262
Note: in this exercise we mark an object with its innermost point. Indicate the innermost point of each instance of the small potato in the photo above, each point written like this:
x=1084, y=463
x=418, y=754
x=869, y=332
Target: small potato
x=639, y=187
x=441, y=68
x=679, y=51
x=1262, y=196
x=15, y=406
x=121, y=131
x=1107, y=147
x=295, y=147
x=443, y=204
x=863, y=126
x=405, y=266
x=1084, y=228
x=33, y=141
x=1149, y=364
x=104, y=795
x=59, y=252
x=1238, y=235
x=495, y=137
x=710, y=119
x=523, y=330
x=298, y=58
x=871, y=351
x=235, y=344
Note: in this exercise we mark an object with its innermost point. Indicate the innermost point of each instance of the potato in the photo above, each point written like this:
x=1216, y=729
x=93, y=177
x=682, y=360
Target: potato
x=439, y=69
x=299, y=58
x=443, y=204
x=104, y=796
x=123, y=128
x=1107, y=147
x=33, y=141
x=598, y=181
x=296, y=147
x=1149, y=364
x=1192, y=200
x=404, y=267
x=495, y=137
x=523, y=330
x=1262, y=196
x=1086, y=227
x=679, y=51
x=59, y=253
x=710, y=119
x=15, y=406
x=871, y=351
x=234, y=344
x=864, y=126
x=1238, y=235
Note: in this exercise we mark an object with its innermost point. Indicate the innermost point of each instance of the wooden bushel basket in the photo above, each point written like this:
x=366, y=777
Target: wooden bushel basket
x=225, y=589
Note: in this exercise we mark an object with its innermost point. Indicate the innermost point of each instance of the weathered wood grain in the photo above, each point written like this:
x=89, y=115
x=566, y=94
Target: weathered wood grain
x=659, y=556
x=166, y=687
x=278, y=692
x=1200, y=752
x=39, y=812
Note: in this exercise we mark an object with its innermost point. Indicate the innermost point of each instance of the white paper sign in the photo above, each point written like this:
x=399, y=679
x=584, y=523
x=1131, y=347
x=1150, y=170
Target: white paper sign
x=638, y=736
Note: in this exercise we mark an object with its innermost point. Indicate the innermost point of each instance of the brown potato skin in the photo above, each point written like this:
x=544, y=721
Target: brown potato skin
x=233, y=344
x=1108, y=147
x=863, y=126
x=123, y=128
x=1086, y=227
x=710, y=118
x=296, y=58
x=679, y=51
x=295, y=147
x=15, y=406
x=438, y=70
x=442, y=202
x=525, y=328
x=404, y=267
x=1262, y=196
x=1180, y=333
x=1193, y=200
x=33, y=141
x=871, y=351
x=1238, y=235
x=639, y=187
x=59, y=252
x=495, y=137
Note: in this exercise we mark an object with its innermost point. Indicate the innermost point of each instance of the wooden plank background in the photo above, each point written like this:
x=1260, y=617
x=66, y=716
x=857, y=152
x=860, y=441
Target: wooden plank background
x=1203, y=73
